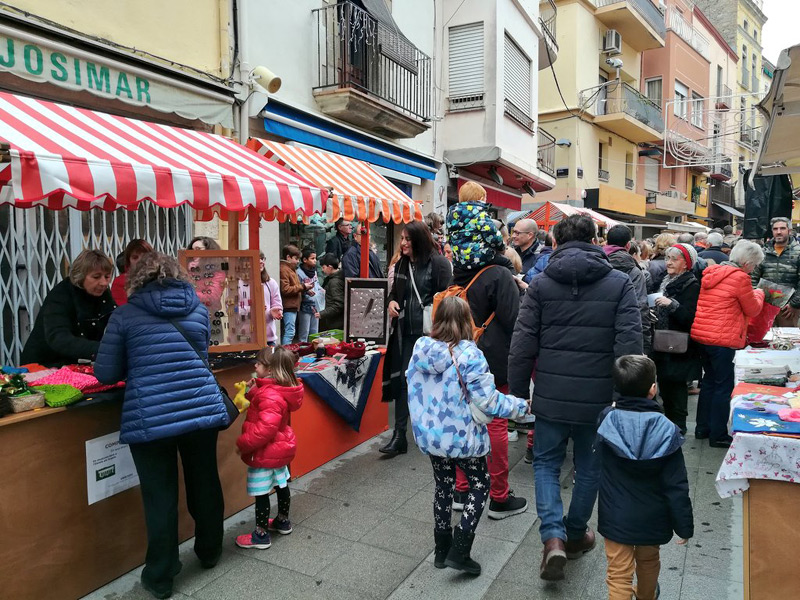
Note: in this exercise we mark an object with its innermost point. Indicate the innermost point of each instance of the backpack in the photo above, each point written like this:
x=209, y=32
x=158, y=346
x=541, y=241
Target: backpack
x=461, y=292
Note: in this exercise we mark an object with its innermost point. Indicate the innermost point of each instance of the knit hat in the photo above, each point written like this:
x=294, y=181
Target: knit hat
x=689, y=254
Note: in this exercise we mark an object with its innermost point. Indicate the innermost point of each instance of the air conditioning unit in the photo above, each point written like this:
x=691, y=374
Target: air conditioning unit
x=612, y=42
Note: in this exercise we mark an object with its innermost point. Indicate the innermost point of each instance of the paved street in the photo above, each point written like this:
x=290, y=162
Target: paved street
x=363, y=530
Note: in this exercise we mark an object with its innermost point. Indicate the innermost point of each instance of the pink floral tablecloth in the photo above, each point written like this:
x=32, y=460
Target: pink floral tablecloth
x=754, y=456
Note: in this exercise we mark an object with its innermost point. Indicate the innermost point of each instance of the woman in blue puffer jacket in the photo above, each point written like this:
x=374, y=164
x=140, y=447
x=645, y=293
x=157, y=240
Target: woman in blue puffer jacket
x=172, y=405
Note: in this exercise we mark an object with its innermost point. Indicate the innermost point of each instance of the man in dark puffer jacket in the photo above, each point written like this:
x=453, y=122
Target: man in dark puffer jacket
x=576, y=318
x=781, y=265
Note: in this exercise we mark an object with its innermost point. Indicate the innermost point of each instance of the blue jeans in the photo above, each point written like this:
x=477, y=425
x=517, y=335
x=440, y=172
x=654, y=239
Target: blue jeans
x=713, y=404
x=549, y=451
x=289, y=320
x=307, y=324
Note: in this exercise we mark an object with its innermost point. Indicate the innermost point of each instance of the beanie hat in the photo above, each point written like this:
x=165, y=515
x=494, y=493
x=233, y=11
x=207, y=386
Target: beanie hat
x=689, y=254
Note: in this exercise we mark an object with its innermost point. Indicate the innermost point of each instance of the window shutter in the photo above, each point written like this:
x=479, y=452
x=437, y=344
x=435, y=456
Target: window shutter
x=466, y=61
x=651, y=174
x=517, y=76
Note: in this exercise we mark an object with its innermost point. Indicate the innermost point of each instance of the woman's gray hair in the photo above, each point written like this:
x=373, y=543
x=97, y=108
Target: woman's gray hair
x=154, y=266
x=746, y=252
x=674, y=253
x=87, y=262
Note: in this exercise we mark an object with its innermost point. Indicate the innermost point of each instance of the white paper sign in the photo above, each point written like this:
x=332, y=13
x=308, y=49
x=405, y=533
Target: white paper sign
x=109, y=467
x=651, y=299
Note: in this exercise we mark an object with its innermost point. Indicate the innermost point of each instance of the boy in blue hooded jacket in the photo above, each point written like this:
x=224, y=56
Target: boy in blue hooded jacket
x=644, y=491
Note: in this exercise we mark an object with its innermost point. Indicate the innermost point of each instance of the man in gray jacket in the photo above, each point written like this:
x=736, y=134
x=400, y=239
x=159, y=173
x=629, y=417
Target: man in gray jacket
x=781, y=265
x=618, y=243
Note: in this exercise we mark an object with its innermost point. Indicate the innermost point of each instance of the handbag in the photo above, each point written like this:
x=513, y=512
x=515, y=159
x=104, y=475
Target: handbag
x=478, y=416
x=670, y=341
x=427, y=311
x=231, y=409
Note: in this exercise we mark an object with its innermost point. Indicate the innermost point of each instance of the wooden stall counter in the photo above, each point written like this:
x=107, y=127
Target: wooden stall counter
x=56, y=545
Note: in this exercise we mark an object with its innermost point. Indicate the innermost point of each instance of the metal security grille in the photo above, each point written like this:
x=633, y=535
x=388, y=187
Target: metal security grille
x=37, y=246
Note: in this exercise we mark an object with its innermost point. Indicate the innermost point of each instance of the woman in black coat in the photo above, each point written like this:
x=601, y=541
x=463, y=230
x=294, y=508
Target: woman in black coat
x=675, y=310
x=432, y=274
x=74, y=314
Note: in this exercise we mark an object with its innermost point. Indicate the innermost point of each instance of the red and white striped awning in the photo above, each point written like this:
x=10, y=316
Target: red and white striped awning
x=62, y=156
x=358, y=192
x=550, y=213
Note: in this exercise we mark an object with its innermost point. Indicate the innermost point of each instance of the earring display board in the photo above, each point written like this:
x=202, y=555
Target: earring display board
x=365, y=314
x=228, y=283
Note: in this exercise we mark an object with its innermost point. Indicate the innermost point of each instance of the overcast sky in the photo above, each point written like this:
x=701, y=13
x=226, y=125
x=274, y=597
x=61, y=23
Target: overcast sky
x=782, y=28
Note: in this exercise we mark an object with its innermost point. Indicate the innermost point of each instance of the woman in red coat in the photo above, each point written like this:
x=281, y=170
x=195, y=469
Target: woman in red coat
x=727, y=301
x=267, y=444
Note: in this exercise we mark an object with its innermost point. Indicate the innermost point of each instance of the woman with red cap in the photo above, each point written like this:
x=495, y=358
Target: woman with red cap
x=675, y=310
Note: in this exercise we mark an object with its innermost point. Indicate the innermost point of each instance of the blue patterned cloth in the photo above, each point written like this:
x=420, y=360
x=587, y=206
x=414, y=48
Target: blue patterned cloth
x=261, y=481
x=757, y=421
x=441, y=418
x=472, y=234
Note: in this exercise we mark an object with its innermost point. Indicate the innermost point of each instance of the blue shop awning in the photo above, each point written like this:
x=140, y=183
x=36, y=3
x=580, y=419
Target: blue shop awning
x=292, y=124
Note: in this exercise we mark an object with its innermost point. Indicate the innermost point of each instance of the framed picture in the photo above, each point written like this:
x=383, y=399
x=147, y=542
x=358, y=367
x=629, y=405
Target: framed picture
x=365, y=314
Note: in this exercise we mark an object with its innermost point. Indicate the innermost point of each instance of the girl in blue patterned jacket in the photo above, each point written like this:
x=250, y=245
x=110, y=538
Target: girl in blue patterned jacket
x=451, y=397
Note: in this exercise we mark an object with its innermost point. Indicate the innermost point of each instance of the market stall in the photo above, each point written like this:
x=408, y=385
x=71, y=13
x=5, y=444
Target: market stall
x=63, y=470
x=550, y=213
x=763, y=463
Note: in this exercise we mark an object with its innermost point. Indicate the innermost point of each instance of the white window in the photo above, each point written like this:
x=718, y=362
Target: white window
x=681, y=95
x=653, y=90
x=651, y=167
x=697, y=111
x=517, y=84
x=465, y=66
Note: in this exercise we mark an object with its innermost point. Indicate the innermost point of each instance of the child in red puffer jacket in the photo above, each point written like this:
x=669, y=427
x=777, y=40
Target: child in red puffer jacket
x=267, y=444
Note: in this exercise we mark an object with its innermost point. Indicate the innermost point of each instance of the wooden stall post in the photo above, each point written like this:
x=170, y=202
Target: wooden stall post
x=253, y=228
x=233, y=231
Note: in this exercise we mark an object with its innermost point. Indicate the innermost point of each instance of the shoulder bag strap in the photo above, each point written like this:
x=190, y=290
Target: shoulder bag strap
x=469, y=285
x=189, y=340
x=414, y=285
x=460, y=379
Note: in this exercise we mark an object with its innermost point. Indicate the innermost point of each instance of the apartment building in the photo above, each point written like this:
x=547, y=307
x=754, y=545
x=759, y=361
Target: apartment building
x=592, y=103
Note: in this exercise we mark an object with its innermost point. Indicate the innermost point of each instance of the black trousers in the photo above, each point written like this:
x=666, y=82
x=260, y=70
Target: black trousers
x=401, y=405
x=675, y=396
x=157, y=466
x=444, y=473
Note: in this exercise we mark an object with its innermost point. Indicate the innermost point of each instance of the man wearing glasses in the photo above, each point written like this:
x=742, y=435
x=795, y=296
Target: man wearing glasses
x=523, y=238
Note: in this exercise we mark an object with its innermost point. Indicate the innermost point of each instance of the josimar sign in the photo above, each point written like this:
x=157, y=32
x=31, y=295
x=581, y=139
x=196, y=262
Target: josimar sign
x=38, y=59
x=70, y=71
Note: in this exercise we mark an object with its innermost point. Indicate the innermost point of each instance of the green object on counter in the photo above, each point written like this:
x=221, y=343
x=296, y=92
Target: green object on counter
x=334, y=333
x=59, y=394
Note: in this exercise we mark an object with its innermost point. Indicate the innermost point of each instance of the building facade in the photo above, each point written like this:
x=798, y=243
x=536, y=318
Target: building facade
x=594, y=106
x=154, y=61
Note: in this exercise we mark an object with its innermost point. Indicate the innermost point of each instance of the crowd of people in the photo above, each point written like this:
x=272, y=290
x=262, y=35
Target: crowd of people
x=515, y=314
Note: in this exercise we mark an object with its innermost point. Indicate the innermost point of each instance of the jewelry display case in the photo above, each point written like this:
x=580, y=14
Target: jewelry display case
x=365, y=314
x=228, y=283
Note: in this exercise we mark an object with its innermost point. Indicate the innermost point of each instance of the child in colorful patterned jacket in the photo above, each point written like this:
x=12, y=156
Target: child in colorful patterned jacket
x=451, y=398
x=267, y=444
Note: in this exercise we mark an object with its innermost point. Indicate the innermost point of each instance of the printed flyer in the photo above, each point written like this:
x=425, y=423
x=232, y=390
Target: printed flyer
x=109, y=467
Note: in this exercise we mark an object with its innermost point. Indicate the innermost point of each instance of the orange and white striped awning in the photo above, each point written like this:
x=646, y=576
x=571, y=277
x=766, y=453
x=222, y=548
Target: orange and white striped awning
x=62, y=156
x=358, y=192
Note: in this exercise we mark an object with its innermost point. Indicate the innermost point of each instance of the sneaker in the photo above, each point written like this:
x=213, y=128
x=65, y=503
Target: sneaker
x=512, y=506
x=282, y=526
x=459, y=498
x=513, y=436
x=254, y=540
x=528, y=455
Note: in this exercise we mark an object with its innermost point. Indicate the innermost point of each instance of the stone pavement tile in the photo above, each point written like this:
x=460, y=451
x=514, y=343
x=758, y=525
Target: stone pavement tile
x=698, y=587
x=418, y=507
x=714, y=558
x=349, y=520
x=383, y=496
x=372, y=571
x=194, y=577
x=305, y=550
x=512, y=529
x=720, y=522
x=126, y=587
x=306, y=505
x=447, y=584
x=403, y=535
x=408, y=474
x=255, y=579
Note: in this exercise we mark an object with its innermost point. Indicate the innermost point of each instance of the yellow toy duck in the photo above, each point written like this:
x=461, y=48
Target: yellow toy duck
x=240, y=400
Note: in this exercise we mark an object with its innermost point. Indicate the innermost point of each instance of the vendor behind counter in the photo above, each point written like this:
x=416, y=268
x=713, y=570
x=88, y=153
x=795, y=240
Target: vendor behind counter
x=74, y=315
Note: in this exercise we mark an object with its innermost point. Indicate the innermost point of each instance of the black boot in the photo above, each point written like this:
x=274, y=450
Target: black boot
x=458, y=557
x=397, y=445
x=444, y=539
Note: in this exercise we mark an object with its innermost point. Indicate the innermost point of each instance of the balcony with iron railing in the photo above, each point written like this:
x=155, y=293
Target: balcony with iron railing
x=639, y=22
x=369, y=74
x=721, y=169
x=624, y=111
x=548, y=50
x=724, y=95
x=546, y=153
x=689, y=34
